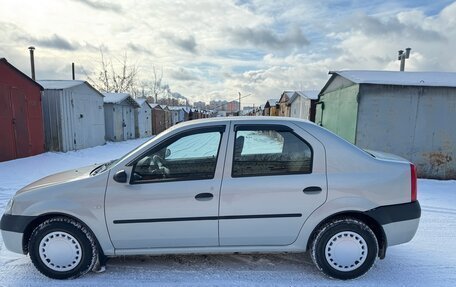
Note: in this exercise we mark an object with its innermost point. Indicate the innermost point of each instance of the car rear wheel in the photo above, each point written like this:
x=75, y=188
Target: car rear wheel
x=62, y=248
x=345, y=248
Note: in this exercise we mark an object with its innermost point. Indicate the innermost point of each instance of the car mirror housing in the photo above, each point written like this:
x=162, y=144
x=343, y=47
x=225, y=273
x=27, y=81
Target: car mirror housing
x=120, y=176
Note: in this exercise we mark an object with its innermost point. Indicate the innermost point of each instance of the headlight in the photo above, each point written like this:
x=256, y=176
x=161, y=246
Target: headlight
x=9, y=207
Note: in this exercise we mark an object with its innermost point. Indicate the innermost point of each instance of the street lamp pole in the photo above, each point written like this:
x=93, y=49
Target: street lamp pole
x=402, y=56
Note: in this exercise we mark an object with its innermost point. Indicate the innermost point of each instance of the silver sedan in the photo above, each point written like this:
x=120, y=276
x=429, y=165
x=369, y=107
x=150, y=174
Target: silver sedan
x=221, y=185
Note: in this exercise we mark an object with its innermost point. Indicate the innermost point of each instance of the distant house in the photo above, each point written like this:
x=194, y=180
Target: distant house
x=271, y=108
x=411, y=114
x=168, y=116
x=143, y=119
x=119, y=111
x=73, y=115
x=158, y=119
x=284, y=105
x=21, y=117
x=187, y=111
x=177, y=114
x=302, y=105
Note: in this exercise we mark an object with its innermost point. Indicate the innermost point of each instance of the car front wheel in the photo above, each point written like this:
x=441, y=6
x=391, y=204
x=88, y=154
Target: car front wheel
x=345, y=248
x=61, y=248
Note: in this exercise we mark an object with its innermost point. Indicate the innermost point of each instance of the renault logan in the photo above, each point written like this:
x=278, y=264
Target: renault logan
x=221, y=185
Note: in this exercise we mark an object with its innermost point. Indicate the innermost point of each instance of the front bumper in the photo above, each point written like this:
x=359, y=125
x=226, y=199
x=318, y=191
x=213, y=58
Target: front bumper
x=13, y=241
x=13, y=228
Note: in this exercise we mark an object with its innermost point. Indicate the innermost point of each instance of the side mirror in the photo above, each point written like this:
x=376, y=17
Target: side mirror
x=120, y=176
x=167, y=152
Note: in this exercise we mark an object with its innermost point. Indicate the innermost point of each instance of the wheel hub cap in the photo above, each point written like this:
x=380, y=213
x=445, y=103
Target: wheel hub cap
x=346, y=251
x=60, y=251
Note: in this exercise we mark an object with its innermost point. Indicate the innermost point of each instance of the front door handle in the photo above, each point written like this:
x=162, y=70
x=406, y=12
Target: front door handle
x=204, y=196
x=312, y=190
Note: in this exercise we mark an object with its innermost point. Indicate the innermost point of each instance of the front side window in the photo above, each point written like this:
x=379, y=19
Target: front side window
x=270, y=152
x=185, y=157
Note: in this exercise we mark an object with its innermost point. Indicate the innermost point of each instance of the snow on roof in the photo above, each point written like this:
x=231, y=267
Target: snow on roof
x=59, y=84
x=432, y=79
x=311, y=94
x=273, y=101
x=175, y=108
x=116, y=98
x=141, y=101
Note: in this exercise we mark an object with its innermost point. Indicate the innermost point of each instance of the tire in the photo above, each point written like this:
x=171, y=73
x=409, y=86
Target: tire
x=345, y=248
x=62, y=248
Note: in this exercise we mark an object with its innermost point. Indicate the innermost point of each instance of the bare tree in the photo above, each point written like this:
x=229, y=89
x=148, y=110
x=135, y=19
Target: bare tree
x=157, y=87
x=118, y=77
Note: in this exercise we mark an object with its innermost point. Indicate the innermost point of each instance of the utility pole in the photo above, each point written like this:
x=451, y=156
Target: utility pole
x=402, y=56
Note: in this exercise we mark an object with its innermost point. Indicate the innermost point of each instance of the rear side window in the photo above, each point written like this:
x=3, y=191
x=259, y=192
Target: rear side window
x=266, y=152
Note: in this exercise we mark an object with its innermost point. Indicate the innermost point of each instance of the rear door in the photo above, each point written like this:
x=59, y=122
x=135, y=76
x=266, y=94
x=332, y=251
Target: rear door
x=274, y=179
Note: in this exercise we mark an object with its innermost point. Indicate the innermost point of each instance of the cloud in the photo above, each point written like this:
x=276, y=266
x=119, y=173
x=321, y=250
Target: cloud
x=394, y=26
x=139, y=48
x=101, y=5
x=268, y=39
x=54, y=42
x=187, y=44
x=182, y=74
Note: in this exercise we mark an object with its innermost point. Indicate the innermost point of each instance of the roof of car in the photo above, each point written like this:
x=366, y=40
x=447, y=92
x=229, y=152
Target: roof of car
x=259, y=119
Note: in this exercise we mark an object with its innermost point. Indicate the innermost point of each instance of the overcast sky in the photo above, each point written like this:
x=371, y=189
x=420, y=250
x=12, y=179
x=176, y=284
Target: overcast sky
x=215, y=49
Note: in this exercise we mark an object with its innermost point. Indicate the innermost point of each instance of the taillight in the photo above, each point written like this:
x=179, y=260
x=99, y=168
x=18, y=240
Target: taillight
x=414, y=182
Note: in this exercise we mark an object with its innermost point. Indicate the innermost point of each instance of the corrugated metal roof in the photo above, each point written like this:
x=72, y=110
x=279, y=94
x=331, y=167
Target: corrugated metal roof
x=117, y=98
x=313, y=95
x=155, y=105
x=141, y=101
x=432, y=79
x=59, y=84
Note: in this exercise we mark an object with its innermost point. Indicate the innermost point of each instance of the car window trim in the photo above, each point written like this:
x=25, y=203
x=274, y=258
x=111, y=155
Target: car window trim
x=163, y=143
x=220, y=128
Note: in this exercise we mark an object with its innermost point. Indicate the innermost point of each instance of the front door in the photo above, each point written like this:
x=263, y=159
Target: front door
x=172, y=199
x=275, y=177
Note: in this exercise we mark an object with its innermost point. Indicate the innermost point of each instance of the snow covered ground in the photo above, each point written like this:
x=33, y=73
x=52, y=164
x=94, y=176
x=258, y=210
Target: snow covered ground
x=428, y=260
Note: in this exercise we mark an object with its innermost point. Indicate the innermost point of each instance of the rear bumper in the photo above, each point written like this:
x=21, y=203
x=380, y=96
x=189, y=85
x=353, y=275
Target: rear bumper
x=400, y=221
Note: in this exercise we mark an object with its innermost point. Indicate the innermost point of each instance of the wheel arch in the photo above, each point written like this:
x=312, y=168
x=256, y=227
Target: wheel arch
x=369, y=221
x=43, y=217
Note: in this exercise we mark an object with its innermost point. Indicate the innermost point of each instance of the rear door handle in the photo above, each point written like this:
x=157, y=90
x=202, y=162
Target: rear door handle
x=312, y=190
x=204, y=196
